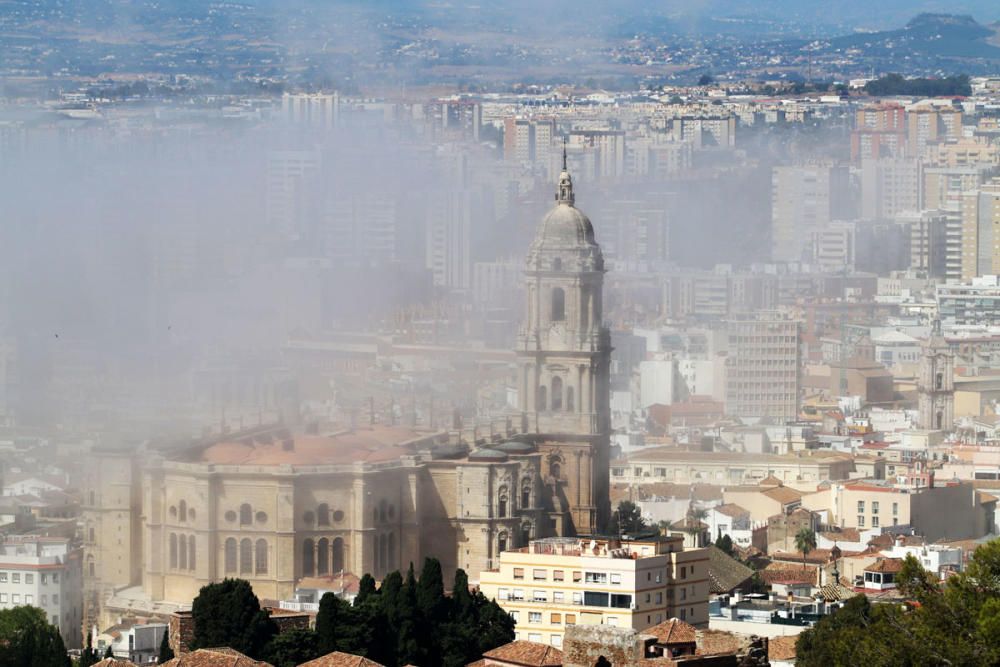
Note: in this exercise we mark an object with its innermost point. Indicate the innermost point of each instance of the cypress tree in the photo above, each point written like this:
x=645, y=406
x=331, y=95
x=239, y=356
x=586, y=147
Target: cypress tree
x=366, y=589
x=166, y=653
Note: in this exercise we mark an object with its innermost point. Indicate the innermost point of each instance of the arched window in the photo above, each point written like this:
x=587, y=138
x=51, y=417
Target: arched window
x=558, y=304
x=570, y=405
x=383, y=510
x=323, y=514
x=525, y=534
x=182, y=510
x=260, y=558
x=555, y=469
x=542, y=400
x=557, y=393
x=91, y=531
x=501, y=543
x=182, y=550
x=939, y=381
x=246, y=514
x=90, y=565
x=525, y=496
x=502, y=498
x=173, y=551
x=308, y=559
x=246, y=556
x=338, y=555
x=191, y=564
x=322, y=556
x=557, y=264
x=231, y=555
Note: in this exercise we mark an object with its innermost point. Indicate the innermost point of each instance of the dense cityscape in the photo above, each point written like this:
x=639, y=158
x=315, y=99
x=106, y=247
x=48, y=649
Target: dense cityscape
x=405, y=333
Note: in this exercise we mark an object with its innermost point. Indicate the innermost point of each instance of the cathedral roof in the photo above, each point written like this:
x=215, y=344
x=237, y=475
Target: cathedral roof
x=565, y=227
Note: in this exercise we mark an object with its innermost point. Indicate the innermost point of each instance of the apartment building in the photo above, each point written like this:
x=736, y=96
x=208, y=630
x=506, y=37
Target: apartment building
x=666, y=464
x=44, y=572
x=947, y=512
x=763, y=368
x=558, y=582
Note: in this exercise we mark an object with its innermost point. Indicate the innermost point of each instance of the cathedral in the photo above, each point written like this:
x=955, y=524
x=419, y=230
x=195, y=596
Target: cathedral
x=278, y=506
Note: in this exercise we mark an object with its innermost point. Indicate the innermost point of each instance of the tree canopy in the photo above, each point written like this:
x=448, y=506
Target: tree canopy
x=229, y=614
x=952, y=623
x=628, y=519
x=405, y=621
x=896, y=84
x=28, y=640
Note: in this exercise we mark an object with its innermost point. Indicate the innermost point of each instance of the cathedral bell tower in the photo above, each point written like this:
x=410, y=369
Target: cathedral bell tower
x=564, y=354
x=936, y=383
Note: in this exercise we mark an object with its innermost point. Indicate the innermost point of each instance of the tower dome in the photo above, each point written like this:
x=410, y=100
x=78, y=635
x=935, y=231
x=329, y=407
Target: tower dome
x=565, y=233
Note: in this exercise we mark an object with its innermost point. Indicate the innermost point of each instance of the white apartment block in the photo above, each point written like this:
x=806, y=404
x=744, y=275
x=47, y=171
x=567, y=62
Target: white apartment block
x=44, y=572
x=561, y=581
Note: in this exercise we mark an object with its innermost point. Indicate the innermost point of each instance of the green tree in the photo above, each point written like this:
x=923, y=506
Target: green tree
x=109, y=653
x=705, y=80
x=88, y=656
x=805, y=541
x=628, y=519
x=293, y=647
x=725, y=544
x=28, y=640
x=166, y=653
x=409, y=648
x=228, y=613
x=366, y=589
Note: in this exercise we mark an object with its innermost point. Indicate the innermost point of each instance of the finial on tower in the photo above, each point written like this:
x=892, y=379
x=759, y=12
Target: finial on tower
x=565, y=193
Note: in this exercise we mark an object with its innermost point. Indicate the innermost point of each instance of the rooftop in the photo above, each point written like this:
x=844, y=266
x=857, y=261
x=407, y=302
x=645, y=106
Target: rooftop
x=530, y=654
x=375, y=444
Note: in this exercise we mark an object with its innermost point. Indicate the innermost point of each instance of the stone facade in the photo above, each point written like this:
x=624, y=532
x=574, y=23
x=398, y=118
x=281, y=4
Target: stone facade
x=564, y=353
x=936, y=383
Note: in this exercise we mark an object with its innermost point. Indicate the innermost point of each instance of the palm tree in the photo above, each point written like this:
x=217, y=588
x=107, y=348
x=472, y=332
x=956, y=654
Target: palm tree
x=805, y=541
x=692, y=526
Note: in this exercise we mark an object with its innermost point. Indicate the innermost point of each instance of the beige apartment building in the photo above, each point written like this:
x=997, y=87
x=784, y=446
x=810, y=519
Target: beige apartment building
x=951, y=512
x=763, y=368
x=666, y=464
x=555, y=583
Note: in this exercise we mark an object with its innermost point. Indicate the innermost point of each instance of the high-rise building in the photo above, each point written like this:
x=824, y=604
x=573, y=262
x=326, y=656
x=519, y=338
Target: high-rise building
x=936, y=383
x=607, y=148
x=290, y=188
x=879, y=132
x=981, y=230
x=926, y=125
x=889, y=187
x=555, y=583
x=935, y=242
x=943, y=186
x=564, y=355
x=763, y=368
x=805, y=199
x=316, y=110
x=529, y=140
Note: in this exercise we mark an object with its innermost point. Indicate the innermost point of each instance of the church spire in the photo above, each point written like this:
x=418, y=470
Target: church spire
x=565, y=193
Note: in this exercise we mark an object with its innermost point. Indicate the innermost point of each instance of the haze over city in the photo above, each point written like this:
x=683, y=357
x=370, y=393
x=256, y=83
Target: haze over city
x=446, y=333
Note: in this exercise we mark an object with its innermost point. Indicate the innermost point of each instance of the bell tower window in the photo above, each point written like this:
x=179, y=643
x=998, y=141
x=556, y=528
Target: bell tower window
x=557, y=393
x=558, y=305
x=557, y=264
x=542, y=399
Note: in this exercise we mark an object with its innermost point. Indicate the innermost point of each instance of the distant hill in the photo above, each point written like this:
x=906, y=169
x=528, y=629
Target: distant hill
x=928, y=35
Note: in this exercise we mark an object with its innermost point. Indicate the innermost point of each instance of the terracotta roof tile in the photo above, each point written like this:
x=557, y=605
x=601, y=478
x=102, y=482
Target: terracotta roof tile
x=214, y=657
x=886, y=565
x=783, y=494
x=781, y=648
x=725, y=573
x=672, y=631
x=715, y=642
x=339, y=659
x=530, y=654
x=114, y=662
